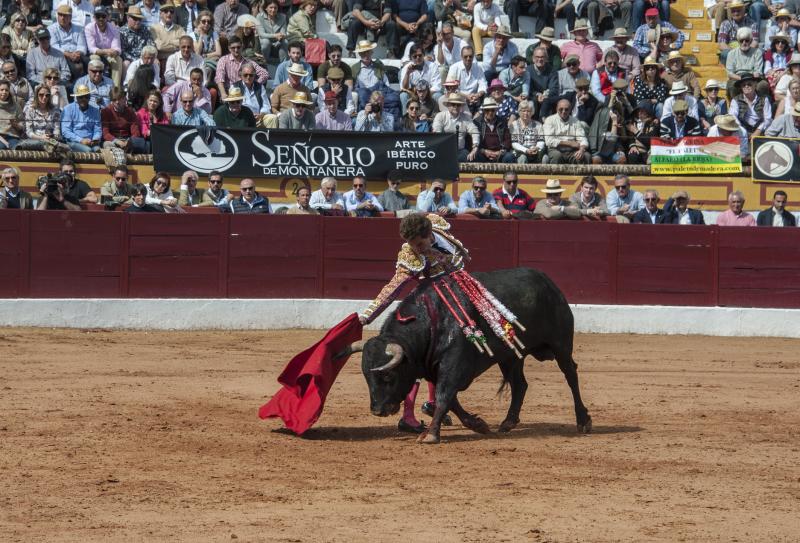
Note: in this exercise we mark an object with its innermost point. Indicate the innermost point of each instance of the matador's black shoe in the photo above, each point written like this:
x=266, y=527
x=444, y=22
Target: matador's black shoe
x=403, y=426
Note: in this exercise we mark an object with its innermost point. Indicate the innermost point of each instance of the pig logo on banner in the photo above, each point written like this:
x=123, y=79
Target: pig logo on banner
x=206, y=149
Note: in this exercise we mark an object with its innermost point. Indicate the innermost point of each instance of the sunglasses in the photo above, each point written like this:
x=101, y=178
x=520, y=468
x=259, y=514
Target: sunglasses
x=467, y=56
x=248, y=189
x=170, y=11
x=621, y=187
x=161, y=183
x=207, y=21
x=412, y=108
x=437, y=189
x=248, y=75
x=418, y=55
x=9, y=72
x=215, y=181
x=650, y=199
x=96, y=71
x=394, y=182
x=479, y=188
x=121, y=178
x=355, y=186
x=187, y=101
x=51, y=77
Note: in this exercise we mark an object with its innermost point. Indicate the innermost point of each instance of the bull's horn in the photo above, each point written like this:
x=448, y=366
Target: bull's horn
x=397, y=356
x=355, y=347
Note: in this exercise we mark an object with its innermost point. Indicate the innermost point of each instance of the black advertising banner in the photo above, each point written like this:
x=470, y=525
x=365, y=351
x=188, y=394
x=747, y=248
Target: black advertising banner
x=294, y=153
x=776, y=159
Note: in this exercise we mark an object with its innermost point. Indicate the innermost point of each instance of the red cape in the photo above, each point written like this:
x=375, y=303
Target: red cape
x=309, y=376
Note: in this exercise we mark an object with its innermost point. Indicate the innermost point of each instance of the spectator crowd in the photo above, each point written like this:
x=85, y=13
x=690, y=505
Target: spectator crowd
x=89, y=75
x=64, y=191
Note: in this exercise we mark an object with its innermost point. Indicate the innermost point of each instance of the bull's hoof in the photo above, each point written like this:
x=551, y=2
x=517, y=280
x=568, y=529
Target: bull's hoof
x=586, y=427
x=427, y=438
x=508, y=425
x=477, y=425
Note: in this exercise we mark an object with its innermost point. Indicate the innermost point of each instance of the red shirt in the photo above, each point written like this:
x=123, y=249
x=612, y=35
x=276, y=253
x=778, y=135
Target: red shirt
x=119, y=125
x=520, y=202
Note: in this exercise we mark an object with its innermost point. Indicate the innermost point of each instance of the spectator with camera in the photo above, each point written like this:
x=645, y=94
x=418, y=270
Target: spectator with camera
x=117, y=191
x=11, y=197
x=373, y=118
x=55, y=195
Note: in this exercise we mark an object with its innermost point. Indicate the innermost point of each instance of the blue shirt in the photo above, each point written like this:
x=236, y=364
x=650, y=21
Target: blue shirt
x=634, y=200
x=67, y=41
x=351, y=202
x=282, y=73
x=198, y=117
x=77, y=125
x=425, y=202
x=99, y=97
x=468, y=200
x=503, y=61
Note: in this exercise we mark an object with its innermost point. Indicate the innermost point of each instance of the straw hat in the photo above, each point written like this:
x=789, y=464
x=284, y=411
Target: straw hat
x=726, y=122
x=621, y=33
x=234, y=95
x=503, y=30
x=553, y=186
x=712, y=84
x=488, y=103
x=64, y=9
x=651, y=61
x=455, y=98
x=580, y=24
x=680, y=105
x=135, y=12
x=365, y=45
x=783, y=36
x=300, y=98
x=783, y=12
x=678, y=87
x=167, y=5
x=582, y=83
x=335, y=73
x=547, y=34
x=81, y=90
x=674, y=55
x=736, y=4
x=297, y=69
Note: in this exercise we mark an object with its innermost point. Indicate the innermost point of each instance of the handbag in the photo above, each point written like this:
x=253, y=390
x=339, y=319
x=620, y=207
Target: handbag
x=316, y=51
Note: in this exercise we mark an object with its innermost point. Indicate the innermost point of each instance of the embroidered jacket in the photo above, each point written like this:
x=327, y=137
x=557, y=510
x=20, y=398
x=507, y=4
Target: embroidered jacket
x=447, y=254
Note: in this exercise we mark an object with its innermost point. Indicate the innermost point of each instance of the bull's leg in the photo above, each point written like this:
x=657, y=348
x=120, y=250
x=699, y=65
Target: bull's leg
x=519, y=386
x=570, y=370
x=445, y=397
x=469, y=420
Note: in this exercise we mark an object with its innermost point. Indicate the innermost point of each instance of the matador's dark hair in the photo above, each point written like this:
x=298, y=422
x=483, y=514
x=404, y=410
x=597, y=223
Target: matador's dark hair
x=416, y=225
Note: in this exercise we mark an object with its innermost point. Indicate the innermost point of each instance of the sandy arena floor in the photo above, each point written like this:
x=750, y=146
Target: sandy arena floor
x=154, y=436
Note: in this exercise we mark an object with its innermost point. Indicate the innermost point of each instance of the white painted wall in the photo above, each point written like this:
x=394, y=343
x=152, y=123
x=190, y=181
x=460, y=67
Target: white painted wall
x=232, y=314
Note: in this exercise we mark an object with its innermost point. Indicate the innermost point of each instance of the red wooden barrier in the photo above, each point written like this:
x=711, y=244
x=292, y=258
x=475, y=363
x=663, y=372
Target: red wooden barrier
x=99, y=254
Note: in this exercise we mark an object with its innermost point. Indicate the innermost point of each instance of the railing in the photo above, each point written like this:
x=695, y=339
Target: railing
x=109, y=255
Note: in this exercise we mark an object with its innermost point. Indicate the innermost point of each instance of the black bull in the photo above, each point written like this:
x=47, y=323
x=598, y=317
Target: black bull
x=422, y=339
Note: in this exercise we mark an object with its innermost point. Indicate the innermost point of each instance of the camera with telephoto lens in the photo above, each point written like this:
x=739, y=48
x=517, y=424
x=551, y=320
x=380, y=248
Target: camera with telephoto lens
x=375, y=107
x=51, y=181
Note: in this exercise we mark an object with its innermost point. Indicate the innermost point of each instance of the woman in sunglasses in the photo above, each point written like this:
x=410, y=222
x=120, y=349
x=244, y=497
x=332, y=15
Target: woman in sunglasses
x=42, y=121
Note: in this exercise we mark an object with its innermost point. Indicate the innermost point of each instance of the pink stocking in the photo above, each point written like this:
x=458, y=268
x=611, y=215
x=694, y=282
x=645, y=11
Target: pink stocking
x=408, y=406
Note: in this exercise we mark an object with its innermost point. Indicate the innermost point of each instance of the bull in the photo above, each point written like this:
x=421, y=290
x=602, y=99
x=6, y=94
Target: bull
x=422, y=339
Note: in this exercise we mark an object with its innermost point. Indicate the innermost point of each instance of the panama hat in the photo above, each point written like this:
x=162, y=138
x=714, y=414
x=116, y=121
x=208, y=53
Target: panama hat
x=678, y=87
x=64, y=9
x=726, y=122
x=651, y=61
x=621, y=33
x=297, y=69
x=553, y=186
x=300, y=98
x=783, y=36
x=234, y=95
x=783, y=12
x=335, y=73
x=488, y=103
x=135, y=12
x=81, y=90
x=580, y=24
x=674, y=55
x=547, y=34
x=736, y=4
x=455, y=98
x=712, y=84
x=167, y=5
x=365, y=45
x=503, y=30
x=680, y=105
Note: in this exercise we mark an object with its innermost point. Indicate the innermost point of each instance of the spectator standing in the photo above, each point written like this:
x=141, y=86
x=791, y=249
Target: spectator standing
x=117, y=190
x=587, y=199
x=512, y=201
x=392, y=199
x=103, y=39
x=70, y=40
x=735, y=214
x=331, y=117
x=121, y=125
x=553, y=207
x=777, y=215
x=11, y=196
x=622, y=201
x=455, y=120
x=42, y=57
x=299, y=116
x=99, y=85
x=360, y=203
x=80, y=123
x=232, y=115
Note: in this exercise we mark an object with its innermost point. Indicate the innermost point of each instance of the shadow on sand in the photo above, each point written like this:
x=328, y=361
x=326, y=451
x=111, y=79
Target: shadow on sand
x=456, y=433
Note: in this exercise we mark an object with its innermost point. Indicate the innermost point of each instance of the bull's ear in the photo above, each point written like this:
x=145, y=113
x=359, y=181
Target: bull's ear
x=355, y=347
x=396, y=352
